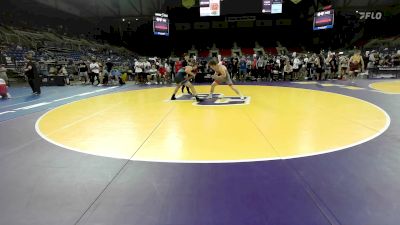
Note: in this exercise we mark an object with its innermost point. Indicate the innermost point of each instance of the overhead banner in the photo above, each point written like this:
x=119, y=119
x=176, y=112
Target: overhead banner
x=220, y=24
x=245, y=24
x=201, y=25
x=183, y=26
x=283, y=22
x=188, y=3
x=264, y=23
x=240, y=18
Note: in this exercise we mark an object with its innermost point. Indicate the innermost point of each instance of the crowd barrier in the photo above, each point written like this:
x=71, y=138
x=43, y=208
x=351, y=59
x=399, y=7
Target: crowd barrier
x=53, y=80
x=384, y=72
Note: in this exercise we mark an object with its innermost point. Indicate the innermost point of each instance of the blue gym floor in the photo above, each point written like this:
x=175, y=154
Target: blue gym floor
x=41, y=183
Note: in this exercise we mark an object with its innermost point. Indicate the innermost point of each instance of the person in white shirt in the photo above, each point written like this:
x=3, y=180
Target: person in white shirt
x=139, y=71
x=147, y=66
x=137, y=66
x=146, y=69
x=296, y=67
x=63, y=72
x=260, y=68
x=372, y=57
x=343, y=63
x=94, y=72
x=278, y=61
x=168, y=69
x=152, y=75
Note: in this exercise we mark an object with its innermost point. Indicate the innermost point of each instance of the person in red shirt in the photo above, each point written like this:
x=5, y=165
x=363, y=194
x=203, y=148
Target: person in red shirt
x=178, y=66
x=254, y=67
x=4, y=90
x=161, y=75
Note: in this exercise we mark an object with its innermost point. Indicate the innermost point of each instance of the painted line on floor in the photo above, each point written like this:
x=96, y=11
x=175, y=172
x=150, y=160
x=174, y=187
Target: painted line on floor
x=2, y=113
x=28, y=107
x=327, y=151
x=381, y=91
x=350, y=87
x=33, y=106
x=62, y=99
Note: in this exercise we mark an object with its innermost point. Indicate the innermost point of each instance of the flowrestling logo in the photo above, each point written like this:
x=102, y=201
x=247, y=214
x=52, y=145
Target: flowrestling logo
x=370, y=15
x=224, y=101
x=216, y=100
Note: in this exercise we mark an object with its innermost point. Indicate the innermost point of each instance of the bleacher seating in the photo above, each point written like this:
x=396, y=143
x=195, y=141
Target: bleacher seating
x=17, y=54
x=270, y=50
x=225, y=52
x=204, y=53
x=247, y=51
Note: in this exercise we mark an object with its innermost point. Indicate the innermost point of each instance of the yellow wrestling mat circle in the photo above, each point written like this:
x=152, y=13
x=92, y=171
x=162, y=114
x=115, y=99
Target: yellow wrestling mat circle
x=278, y=123
x=390, y=87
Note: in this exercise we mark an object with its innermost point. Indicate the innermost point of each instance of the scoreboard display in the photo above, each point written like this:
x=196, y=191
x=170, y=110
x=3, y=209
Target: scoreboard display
x=161, y=24
x=324, y=19
x=272, y=6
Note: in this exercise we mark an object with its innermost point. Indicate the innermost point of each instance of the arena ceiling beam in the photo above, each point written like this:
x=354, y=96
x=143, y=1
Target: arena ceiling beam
x=115, y=9
x=134, y=7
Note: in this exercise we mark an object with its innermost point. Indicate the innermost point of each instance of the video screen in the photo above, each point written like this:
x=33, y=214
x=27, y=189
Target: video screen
x=272, y=6
x=324, y=19
x=210, y=8
x=161, y=25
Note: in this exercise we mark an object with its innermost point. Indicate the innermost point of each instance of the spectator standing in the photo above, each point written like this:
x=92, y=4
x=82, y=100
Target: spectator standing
x=343, y=64
x=2, y=57
x=287, y=70
x=139, y=71
x=83, y=72
x=162, y=71
x=168, y=72
x=105, y=75
x=242, y=69
x=249, y=64
x=235, y=68
x=260, y=67
x=109, y=65
x=63, y=72
x=296, y=67
x=95, y=72
x=319, y=65
x=177, y=66
x=31, y=73
x=396, y=58
x=333, y=64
